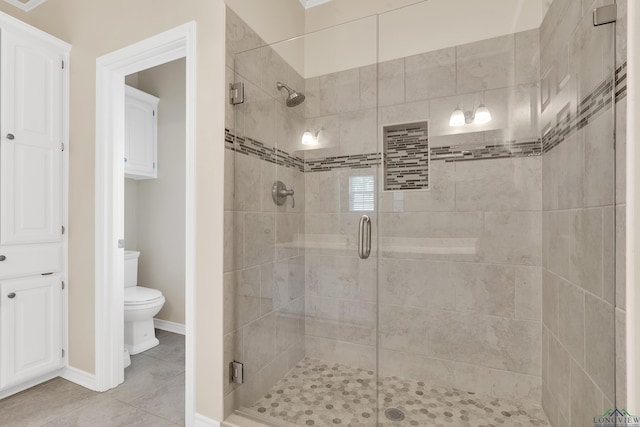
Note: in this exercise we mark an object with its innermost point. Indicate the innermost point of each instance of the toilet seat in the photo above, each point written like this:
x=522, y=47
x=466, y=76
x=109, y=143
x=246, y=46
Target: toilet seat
x=138, y=295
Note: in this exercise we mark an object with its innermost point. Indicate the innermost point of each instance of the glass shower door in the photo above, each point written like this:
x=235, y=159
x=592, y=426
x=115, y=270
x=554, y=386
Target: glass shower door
x=485, y=164
x=497, y=217
x=301, y=294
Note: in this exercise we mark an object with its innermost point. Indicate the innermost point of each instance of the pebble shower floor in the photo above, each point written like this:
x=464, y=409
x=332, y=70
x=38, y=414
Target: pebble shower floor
x=316, y=393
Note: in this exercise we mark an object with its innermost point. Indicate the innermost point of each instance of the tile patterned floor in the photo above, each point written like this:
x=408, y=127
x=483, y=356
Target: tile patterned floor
x=322, y=394
x=152, y=395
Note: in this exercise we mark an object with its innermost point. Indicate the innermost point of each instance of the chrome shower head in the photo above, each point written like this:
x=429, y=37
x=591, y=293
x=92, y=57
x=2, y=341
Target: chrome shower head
x=294, y=98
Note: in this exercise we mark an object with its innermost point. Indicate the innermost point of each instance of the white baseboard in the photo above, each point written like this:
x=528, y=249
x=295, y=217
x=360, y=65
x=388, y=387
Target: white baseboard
x=80, y=377
x=28, y=384
x=202, y=421
x=165, y=325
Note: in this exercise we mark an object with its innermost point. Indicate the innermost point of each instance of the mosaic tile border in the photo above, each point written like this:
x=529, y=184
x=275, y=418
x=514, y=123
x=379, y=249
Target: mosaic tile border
x=568, y=122
x=621, y=82
x=592, y=106
x=253, y=148
x=406, y=156
x=505, y=150
x=452, y=153
x=356, y=161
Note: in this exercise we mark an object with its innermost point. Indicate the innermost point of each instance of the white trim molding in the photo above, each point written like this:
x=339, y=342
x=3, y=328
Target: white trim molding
x=202, y=421
x=165, y=325
x=633, y=210
x=307, y=4
x=111, y=70
x=80, y=377
x=27, y=5
x=31, y=383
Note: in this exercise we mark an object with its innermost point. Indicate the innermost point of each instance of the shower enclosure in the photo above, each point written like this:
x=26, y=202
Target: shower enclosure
x=426, y=230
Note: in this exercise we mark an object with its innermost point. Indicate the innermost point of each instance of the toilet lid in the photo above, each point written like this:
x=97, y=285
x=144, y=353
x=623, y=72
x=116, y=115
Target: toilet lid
x=139, y=295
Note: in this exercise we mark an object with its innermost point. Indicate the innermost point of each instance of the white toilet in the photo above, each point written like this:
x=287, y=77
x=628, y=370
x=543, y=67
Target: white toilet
x=140, y=306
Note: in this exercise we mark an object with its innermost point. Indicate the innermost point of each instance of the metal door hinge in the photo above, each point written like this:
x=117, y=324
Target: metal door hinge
x=236, y=93
x=62, y=229
x=121, y=244
x=154, y=165
x=237, y=372
x=63, y=353
x=62, y=64
x=62, y=283
x=62, y=146
x=605, y=15
x=154, y=113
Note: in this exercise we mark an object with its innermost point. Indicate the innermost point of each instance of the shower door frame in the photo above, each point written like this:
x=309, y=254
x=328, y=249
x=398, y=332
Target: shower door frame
x=633, y=211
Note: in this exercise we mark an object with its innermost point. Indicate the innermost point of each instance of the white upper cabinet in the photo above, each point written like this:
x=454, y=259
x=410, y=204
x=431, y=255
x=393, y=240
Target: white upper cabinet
x=141, y=134
x=30, y=328
x=31, y=140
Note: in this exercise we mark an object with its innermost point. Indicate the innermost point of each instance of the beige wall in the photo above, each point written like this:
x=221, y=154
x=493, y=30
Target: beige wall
x=131, y=214
x=423, y=27
x=97, y=28
x=155, y=225
x=343, y=34
x=273, y=20
x=338, y=12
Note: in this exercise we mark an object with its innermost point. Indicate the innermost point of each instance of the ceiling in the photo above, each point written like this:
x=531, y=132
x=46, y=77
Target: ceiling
x=311, y=3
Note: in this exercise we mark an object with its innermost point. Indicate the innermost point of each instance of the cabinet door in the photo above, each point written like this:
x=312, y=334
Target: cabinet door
x=140, y=134
x=30, y=328
x=31, y=141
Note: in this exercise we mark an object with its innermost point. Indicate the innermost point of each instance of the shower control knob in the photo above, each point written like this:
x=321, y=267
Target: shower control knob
x=3, y=257
x=12, y=295
x=10, y=136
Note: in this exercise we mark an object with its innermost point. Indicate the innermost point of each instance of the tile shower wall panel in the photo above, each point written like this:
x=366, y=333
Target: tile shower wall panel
x=264, y=263
x=460, y=279
x=501, y=72
x=583, y=219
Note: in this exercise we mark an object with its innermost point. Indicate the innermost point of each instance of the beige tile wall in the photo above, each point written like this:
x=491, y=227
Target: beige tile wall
x=583, y=222
x=264, y=265
x=459, y=270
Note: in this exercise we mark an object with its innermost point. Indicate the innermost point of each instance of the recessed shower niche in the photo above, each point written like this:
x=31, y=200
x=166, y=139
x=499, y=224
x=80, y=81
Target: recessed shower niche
x=406, y=156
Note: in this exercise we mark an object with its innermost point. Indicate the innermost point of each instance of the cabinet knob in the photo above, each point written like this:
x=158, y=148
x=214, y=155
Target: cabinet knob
x=3, y=258
x=10, y=136
x=125, y=160
x=12, y=295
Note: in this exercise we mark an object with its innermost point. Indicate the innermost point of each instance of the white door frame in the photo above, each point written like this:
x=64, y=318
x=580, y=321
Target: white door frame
x=111, y=70
x=633, y=210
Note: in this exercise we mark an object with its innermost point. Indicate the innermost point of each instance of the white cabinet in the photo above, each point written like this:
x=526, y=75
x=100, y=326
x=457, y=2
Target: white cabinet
x=141, y=134
x=31, y=140
x=30, y=328
x=33, y=198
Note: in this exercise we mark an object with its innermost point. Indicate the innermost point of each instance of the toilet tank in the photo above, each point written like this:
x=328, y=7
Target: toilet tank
x=131, y=268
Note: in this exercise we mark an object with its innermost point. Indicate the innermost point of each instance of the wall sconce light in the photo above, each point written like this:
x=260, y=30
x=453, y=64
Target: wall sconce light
x=308, y=138
x=459, y=117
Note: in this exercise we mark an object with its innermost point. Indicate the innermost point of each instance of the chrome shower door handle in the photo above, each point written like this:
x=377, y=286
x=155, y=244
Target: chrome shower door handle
x=364, y=237
x=367, y=246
